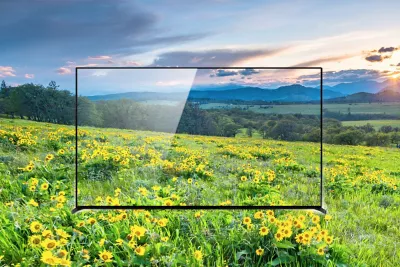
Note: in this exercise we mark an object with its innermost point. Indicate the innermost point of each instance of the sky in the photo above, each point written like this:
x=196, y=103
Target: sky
x=44, y=40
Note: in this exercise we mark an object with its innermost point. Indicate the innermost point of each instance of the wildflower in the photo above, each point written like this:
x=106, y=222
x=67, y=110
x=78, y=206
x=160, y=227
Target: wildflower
x=44, y=186
x=91, y=221
x=315, y=219
x=243, y=178
x=270, y=213
x=328, y=239
x=168, y=202
x=198, y=255
x=140, y=250
x=165, y=238
x=162, y=222
x=258, y=215
x=32, y=202
x=106, y=256
x=320, y=251
x=48, y=258
x=35, y=240
x=197, y=215
x=138, y=231
x=35, y=227
x=62, y=233
x=119, y=242
x=264, y=231
x=278, y=236
x=190, y=180
x=260, y=251
x=49, y=244
x=80, y=224
x=328, y=217
x=47, y=234
x=49, y=157
x=246, y=220
x=101, y=242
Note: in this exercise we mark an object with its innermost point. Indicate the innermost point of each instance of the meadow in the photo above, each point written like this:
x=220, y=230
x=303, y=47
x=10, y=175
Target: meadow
x=315, y=109
x=37, y=227
x=375, y=123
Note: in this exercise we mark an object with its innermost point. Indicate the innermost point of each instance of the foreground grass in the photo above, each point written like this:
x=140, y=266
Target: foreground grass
x=361, y=196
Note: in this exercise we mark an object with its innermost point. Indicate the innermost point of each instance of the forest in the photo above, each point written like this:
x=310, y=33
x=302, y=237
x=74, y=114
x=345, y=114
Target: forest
x=50, y=104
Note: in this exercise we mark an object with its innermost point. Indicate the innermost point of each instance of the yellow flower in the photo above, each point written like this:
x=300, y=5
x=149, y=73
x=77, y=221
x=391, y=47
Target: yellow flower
x=278, y=236
x=47, y=234
x=140, y=250
x=80, y=224
x=62, y=233
x=258, y=215
x=320, y=251
x=243, y=178
x=246, y=220
x=328, y=217
x=168, y=202
x=119, y=242
x=328, y=239
x=190, y=180
x=270, y=213
x=162, y=222
x=36, y=227
x=106, y=256
x=198, y=255
x=65, y=262
x=91, y=221
x=315, y=219
x=61, y=151
x=44, y=186
x=197, y=214
x=264, y=231
x=32, y=202
x=101, y=242
x=48, y=258
x=49, y=157
x=260, y=251
x=138, y=231
x=35, y=240
x=49, y=244
x=165, y=238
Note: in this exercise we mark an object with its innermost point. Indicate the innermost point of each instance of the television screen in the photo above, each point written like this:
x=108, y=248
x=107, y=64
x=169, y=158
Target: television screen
x=196, y=137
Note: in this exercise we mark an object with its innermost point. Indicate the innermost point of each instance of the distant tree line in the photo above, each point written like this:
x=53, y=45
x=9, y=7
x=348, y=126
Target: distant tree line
x=50, y=104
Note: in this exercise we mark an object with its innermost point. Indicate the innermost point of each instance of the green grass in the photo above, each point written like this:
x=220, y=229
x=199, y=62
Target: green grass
x=359, y=193
x=311, y=109
x=375, y=123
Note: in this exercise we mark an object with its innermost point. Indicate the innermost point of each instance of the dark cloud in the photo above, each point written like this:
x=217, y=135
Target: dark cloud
x=376, y=58
x=387, y=49
x=211, y=58
x=247, y=72
x=81, y=28
x=223, y=73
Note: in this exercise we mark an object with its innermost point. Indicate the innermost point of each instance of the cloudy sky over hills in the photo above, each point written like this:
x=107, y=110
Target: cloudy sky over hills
x=45, y=40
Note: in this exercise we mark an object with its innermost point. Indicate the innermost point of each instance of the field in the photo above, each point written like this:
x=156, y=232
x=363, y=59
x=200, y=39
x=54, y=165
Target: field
x=36, y=191
x=310, y=109
x=375, y=123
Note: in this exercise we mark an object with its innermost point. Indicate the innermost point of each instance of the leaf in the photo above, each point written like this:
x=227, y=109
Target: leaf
x=282, y=259
x=240, y=254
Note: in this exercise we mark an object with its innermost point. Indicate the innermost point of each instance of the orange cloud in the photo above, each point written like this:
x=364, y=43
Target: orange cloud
x=64, y=71
x=100, y=57
x=29, y=76
x=7, y=71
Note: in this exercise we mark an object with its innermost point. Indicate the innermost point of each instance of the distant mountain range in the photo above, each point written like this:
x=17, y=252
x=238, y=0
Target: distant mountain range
x=295, y=92
x=367, y=86
x=385, y=95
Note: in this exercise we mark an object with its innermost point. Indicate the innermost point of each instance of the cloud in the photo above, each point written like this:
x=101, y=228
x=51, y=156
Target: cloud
x=317, y=62
x=247, y=72
x=29, y=76
x=387, y=49
x=64, y=71
x=223, y=73
x=212, y=58
x=7, y=71
x=50, y=29
x=343, y=76
x=100, y=58
x=376, y=58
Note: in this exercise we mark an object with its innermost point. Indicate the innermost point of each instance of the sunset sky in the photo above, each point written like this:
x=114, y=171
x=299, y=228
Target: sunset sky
x=45, y=40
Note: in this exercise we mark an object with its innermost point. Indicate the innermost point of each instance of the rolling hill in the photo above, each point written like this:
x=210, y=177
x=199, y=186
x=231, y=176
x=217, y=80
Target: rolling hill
x=382, y=96
x=293, y=92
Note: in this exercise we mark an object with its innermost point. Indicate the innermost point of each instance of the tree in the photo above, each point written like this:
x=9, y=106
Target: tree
x=52, y=85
